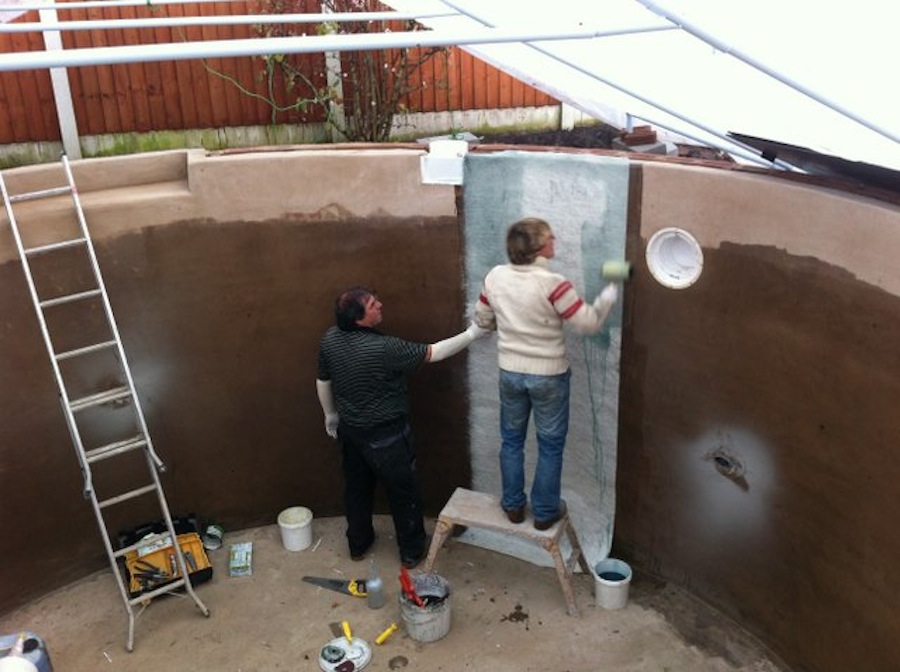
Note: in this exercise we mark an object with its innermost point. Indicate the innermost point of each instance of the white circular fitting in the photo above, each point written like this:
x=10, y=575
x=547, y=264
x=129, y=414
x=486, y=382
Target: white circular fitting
x=674, y=258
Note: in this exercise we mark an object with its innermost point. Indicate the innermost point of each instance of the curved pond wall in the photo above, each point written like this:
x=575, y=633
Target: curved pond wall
x=757, y=410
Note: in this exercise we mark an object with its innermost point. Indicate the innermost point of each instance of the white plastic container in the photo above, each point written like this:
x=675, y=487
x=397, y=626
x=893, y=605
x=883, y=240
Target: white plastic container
x=611, y=580
x=16, y=664
x=296, y=528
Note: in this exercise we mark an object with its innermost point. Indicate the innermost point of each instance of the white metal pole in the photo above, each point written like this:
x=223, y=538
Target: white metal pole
x=62, y=92
x=225, y=20
x=303, y=44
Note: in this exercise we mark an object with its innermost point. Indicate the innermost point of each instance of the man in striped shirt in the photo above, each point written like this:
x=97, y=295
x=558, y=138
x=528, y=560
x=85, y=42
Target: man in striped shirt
x=361, y=385
x=528, y=305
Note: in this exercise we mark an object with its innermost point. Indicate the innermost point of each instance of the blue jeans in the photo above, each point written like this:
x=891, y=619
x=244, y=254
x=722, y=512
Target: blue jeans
x=548, y=397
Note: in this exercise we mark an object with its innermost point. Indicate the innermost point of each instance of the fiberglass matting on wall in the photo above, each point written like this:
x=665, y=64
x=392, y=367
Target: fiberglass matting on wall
x=584, y=199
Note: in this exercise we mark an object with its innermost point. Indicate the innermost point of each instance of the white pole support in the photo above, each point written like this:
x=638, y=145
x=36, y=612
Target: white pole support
x=62, y=92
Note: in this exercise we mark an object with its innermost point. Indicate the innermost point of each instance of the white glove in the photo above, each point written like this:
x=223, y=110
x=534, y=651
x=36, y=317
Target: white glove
x=450, y=346
x=608, y=296
x=477, y=332
x=331, y=424
x=326, y=399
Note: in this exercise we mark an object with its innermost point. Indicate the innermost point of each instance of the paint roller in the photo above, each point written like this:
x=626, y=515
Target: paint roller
x=616, y=271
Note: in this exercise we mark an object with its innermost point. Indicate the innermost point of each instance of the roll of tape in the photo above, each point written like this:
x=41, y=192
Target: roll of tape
x=212, y=537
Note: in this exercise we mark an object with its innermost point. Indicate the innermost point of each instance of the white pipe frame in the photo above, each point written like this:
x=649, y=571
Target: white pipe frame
x=219, y=20
x=303, y=44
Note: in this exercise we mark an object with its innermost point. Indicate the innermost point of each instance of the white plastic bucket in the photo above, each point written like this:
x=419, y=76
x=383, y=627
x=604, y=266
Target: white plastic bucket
x=431, y=622
x=16, y=664
x=611, y=580
x=296, y=528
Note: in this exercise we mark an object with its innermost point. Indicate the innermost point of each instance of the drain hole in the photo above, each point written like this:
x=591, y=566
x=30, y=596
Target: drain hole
x=726, y=464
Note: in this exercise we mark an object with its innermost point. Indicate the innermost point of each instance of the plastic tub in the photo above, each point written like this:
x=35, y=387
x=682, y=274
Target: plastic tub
x=611, y=580
x=296, y=528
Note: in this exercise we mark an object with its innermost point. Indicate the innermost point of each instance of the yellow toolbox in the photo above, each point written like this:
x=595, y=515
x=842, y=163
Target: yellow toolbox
x=151, y=567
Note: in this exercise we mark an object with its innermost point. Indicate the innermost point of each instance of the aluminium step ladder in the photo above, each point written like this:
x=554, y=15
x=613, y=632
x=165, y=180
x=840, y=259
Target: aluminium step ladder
x=93, y=301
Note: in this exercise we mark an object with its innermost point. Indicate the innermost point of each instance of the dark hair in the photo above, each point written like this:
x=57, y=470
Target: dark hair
x=525, y=238
x=350, y=306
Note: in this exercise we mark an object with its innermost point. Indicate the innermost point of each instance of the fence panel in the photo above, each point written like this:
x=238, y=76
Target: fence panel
x=208, y=93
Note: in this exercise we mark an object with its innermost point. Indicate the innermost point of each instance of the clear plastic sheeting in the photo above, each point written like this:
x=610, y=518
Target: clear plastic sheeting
x=810, y=75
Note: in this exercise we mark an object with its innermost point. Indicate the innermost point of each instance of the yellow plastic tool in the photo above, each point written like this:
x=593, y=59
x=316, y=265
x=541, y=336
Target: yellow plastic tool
x=382, y=638
x=345, y=626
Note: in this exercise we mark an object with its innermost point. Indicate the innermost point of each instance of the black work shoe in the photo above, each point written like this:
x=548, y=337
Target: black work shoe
x=412, y=563
x=516, y=516
x=547, y=524
x=356, y=557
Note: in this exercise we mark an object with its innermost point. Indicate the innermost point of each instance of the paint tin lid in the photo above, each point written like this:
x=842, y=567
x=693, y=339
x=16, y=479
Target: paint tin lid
x=340, y=654
x=674, y=258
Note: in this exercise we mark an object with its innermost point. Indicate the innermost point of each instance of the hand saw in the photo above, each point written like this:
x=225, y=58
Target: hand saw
x=354, y=587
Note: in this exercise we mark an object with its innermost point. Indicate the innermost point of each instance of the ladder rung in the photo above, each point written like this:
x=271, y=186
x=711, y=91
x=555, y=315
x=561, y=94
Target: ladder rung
x=100, y=398
x=162, y=590
x=117, y=448
x=55, y=246
x=43, y=193
x=125, y=496
x=85, y=350
x=68, y=298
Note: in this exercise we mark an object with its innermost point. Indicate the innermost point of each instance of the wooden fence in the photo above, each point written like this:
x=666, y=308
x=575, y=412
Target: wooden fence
x=189, y=94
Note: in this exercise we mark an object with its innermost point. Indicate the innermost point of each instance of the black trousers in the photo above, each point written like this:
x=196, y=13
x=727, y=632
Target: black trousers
x=386, y=455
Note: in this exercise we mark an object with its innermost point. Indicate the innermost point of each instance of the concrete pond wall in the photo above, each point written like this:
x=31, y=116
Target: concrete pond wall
x=222, y=269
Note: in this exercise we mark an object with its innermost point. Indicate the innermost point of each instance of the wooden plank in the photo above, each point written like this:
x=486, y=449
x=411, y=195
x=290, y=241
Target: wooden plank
x=49, y=121
x=479, y=81
x=246, y=70
x=12, y=100
x=198, y=80
x=137, y=91
x=169, y=90
x=215, y=85
x=492, y=87
x=231, y=93
x=517, y=93
x=184, y=82
x=109, y=110
x=427, y=82
x=28, y=122
x=441, y=80
x=466, y=81
x=504, y=98
x=454, y=90
x=7, y=82
x=156, y=105
x=82, y=81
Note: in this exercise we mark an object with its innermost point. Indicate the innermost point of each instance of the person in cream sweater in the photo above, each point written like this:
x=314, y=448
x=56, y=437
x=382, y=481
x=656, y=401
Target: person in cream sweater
x=529, y=305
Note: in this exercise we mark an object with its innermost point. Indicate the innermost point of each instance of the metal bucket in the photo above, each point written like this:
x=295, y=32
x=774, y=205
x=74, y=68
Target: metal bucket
x=432, y=621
